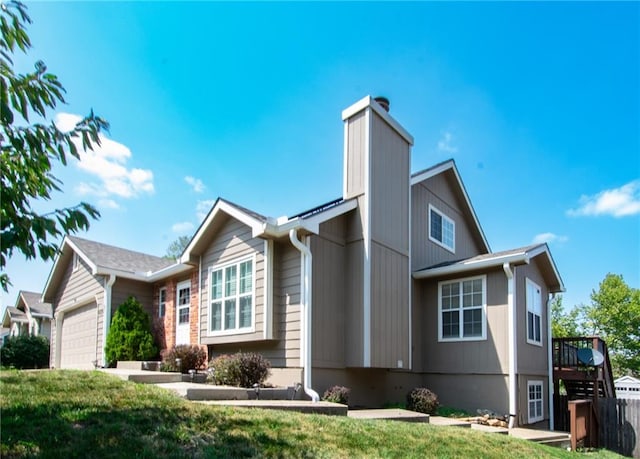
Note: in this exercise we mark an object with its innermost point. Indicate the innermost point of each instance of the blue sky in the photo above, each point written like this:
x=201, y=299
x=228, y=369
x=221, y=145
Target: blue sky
x=538, y=103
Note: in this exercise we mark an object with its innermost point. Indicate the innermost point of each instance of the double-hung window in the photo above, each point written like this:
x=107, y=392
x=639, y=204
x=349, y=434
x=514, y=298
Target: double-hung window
x=462, y=309
x=232, y=296
x=442, y=230
x=535, y=399
x=534, y=313
x=162, y=302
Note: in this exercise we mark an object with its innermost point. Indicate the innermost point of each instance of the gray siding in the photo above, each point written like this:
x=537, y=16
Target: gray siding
x=355, y=156
x=233, y=241
x=328, y=302
x=488, y=356
x=439, y=192
x=532, y=359
x=78, y=288
x=124, y=288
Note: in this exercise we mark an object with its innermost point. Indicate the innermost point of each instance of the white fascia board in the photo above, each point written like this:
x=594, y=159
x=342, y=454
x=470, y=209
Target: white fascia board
x=168, y=271
x=422, y=176
x=368, y=101
x=544, y=249
x=334, y=212
x=521, y=257
x=56, y=262
x=87, y=260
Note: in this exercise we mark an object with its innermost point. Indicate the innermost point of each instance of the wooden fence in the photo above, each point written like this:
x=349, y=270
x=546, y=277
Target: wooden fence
x=620, y=425
x=619, y=421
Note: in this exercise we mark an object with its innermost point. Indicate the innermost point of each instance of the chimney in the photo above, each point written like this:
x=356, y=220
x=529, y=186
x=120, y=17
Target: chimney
x=383, y=102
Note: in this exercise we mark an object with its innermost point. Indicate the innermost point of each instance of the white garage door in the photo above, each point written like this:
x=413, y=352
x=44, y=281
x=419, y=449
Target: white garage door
x=78, y=340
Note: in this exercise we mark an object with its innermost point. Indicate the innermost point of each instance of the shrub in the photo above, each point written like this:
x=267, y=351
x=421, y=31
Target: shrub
x=337, y=394
x=192, y=357
x=241, y=369
x=25, y=351
x=129, y=336
x=422, y=400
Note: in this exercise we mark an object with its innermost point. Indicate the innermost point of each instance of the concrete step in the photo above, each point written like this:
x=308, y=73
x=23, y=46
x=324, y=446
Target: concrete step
x=194, y=391
x=301, y=406
x=143, y=376
x=389, y=414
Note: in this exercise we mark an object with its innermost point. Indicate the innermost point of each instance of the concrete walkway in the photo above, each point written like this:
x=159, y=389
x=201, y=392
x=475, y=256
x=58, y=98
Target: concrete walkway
x=390, y=414
x=301, y=406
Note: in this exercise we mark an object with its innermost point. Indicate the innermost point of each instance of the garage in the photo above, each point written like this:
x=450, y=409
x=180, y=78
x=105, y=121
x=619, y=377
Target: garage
x=78, y=337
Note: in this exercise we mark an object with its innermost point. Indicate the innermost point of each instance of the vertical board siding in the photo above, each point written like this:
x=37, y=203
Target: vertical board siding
x=532, y=358
x=328, y=302
x=79, y=286
x=620, y=425
x=355, y=155
x=390, y=283
x=389, y=198
x=354, y=304
x=232, y=242
x=438, y=191
x=488, y=356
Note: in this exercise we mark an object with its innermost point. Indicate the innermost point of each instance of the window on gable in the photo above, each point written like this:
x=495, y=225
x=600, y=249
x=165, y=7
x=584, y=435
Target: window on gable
x=232, y=296
x=442, y=230
x=534, y=313
x=76, y=262
x=162, y=302
x=462, y=309
x=535, y=401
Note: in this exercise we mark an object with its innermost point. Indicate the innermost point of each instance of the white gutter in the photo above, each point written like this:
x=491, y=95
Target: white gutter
x=513, y=387
x=305, y=252
x=473, y=265
x=107, y=315
x=550, y=362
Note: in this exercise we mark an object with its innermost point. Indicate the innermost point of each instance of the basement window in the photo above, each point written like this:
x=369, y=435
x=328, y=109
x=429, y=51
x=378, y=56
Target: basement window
x=535, y=399
x=442, y=230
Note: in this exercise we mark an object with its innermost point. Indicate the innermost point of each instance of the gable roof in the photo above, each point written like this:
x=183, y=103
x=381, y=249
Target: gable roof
x=522, y=255
x=13, y=314
x=449, y=167
x=105, y=259
x=261, y=226
x=35, y=304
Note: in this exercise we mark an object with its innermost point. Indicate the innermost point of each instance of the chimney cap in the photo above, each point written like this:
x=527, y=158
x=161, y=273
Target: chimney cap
x=383, y=102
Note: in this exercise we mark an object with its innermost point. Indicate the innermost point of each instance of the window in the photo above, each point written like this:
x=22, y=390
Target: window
x=232, y=297
x=184, y=302
x=535, y=401
x=76, y=263
x=462, y=309
x=162, y=302
x=442, y=230
x=534, y=313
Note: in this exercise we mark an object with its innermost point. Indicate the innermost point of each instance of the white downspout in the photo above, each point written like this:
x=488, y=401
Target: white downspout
x=306, y=316
x=107, y=315
x=199, y=315
x=513, y=388
x=550, y=363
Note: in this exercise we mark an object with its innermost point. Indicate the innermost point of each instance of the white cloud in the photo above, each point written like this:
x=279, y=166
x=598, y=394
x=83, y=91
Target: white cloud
x=107, y=162
x=108, y=204
x=444, y=144
x=195, y=183
x=618, y=202
x=203, y=208
x=182, y=227
x=549, y=238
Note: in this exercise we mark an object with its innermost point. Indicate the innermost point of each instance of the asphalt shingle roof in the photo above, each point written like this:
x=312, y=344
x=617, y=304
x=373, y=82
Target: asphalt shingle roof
x=34, y=300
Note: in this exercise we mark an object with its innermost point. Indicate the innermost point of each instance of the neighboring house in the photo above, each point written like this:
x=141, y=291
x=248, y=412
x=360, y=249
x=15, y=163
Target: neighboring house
x=627, y=387
x=392, y=286
x=30, y=315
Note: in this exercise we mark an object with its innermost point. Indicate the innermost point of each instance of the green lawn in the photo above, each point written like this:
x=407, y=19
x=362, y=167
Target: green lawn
x=91, y=414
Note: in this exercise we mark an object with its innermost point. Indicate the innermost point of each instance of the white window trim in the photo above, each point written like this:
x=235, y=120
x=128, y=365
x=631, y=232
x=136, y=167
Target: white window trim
x=483, y=337
x=162, y=306
x=444, y=218
x=533, y=419
x=181, y=286
x=528, y=283
x=234, y=331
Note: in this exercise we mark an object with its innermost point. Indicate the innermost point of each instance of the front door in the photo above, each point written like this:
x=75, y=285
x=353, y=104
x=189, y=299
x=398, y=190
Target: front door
x=183, y=303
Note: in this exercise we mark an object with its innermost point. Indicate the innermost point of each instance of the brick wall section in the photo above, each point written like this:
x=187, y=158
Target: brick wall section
x=164, y=328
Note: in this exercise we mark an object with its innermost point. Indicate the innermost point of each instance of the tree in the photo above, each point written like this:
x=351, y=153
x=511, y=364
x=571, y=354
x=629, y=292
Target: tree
x=614, y=314
x=564, y=324
x=129, y=336
x=176, y=248
x=30, y=148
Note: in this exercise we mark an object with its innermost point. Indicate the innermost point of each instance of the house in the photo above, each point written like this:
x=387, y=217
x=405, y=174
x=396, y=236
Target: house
x=627, y=387
x=30, y=315
x=390, y=287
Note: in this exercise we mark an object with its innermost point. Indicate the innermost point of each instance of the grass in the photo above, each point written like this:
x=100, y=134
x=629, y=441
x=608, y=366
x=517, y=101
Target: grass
x=91, y=414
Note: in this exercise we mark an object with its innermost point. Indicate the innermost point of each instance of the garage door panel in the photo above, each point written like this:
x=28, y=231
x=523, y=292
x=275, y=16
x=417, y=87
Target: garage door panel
x=78, y=337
